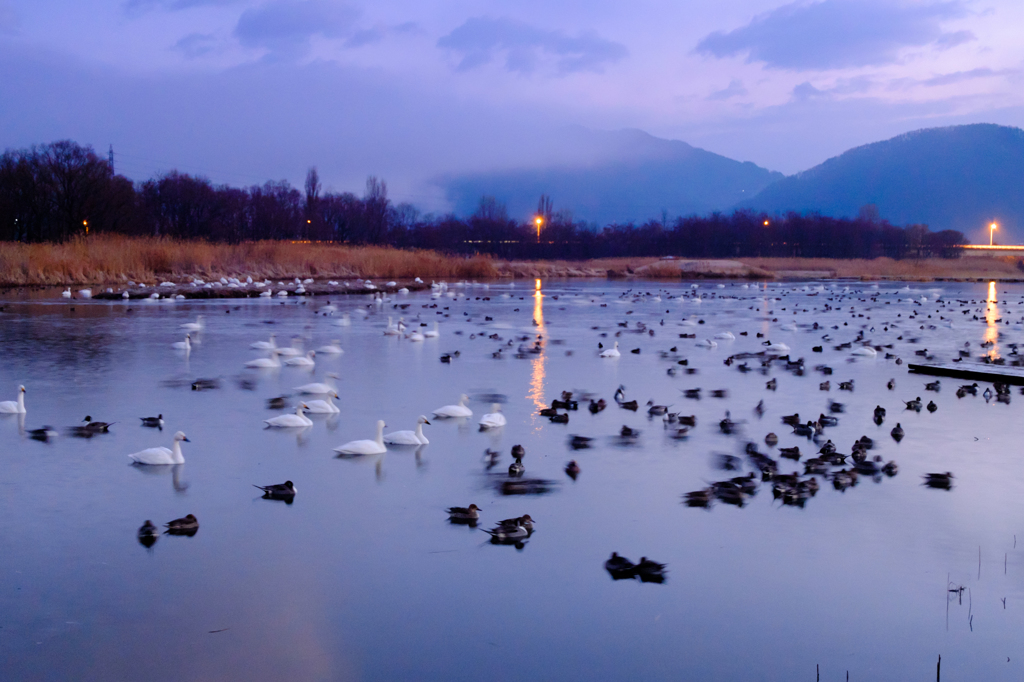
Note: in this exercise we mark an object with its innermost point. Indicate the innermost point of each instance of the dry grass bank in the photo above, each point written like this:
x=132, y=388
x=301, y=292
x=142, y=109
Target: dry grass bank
x=967, y=267
x=113, y=259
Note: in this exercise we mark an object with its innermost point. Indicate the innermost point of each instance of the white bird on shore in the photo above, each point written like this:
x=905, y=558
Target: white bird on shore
x=14, y=406
x=455, y=411
x=365, y=447
x=409, y=437
x=161, y=455
x=493, y=420
x=611, y=352
x=323, y=406
x=185, y=345
x=290, y=421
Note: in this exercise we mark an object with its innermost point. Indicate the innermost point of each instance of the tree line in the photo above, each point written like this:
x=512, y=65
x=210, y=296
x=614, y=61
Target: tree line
x=61, y=190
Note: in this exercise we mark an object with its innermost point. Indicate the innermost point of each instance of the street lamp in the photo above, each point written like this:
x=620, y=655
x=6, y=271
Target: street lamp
x=538, y=221
x=991, y=231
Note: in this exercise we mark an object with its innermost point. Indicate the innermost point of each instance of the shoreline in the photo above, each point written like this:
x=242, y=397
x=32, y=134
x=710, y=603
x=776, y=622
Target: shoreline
x=119, y=262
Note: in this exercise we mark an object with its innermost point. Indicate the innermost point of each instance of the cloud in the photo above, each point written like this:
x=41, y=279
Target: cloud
x=140, y=6
x=961, y=76
x=375, y=34
x=480, y=40
x=836, y=33
x=734, y=89
x=196, y=45
x=806, y=91
x=285, y=27
x=950, y=40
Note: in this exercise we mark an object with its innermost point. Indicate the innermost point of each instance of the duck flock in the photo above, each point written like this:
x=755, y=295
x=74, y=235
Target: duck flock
x=794, y=456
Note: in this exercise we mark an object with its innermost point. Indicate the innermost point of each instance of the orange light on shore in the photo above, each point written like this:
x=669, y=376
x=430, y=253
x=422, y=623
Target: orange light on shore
x=539, y=221
x=991, y=232
x=766, y=223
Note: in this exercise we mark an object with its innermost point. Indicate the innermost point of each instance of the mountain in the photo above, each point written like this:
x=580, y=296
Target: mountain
x=620, y=176
x=959, y=178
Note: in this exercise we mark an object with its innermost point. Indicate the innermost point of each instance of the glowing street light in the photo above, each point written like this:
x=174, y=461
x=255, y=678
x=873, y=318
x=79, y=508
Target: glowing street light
x=991, y=232
x=766, y=223
x=538, y=221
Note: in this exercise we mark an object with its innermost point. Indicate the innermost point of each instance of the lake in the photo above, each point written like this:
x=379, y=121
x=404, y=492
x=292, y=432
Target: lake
x=362, y=577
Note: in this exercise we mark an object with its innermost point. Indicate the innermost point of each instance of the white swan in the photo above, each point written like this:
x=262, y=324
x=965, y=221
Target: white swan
x=409, y=437
x=196, y=326
x=291, y=351
x=392, y=329
x=333, y=348
x=319, y=388
x=494, y=419
x=265, y=345
x=185, y=345
x=85, y=293
x=290, y=421
x=344, y=321
x=66, y=293
x=264, y=363
x=365, y=447
x=162, y=455
x=415, y=336
x=323, y=406
x=302, y=361
x=707, y=343
x=14, y=406
x=611, y=352
x=866, y=351
x=777, y=348
x=434, y=333
x=451, y=411
x=725, y=336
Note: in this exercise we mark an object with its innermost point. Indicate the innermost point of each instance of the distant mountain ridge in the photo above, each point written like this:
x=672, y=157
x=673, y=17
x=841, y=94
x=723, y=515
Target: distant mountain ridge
x=620, y=176
x=960, y=178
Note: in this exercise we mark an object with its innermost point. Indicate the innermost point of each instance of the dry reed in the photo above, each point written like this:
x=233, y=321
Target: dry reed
x=112, y=259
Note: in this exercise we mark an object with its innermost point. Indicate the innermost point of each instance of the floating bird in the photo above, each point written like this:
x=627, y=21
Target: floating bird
x=516, y=468
x=464, y=514
x=14, y=406
x=185, y=345
x=44, y=434
x=160, y=455
x=187, y=525
x=323, y=406
x=572, y=469
x=302, y=360
x=454, y=411
x=156, y=422
x=495, y=419
x=619, y=567
x=897, y=433
x=365, y=447
x=611, y=352
x=148, y=534
x=409, y=437
x=278, y=491
x=290, y=421
x=943, y=481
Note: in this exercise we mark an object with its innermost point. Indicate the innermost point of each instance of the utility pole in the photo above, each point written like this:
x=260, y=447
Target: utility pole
x=110, y=159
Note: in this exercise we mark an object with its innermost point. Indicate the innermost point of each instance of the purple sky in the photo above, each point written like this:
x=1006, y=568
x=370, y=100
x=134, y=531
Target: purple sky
x=248, y=90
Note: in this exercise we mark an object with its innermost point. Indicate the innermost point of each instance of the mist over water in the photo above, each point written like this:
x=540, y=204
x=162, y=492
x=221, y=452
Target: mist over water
x=362, y=577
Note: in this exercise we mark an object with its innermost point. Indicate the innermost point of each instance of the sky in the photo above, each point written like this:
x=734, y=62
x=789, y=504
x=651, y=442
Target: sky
x=243, y=91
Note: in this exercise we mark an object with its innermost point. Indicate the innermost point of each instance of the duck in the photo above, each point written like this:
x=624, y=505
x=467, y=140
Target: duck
x=518, y=451
x=944, y=480
x=828, y=420
x=44, y=434
x=290, y=421
x=470, y=513
x=771, y=440
x=597, y=406
x=572, y=469
x=580, y=442
x=156, y=422
x=914, y=404
x=161, y=455
x=278, y=491
x=891, y=384
x=493, y=420
x=278, y=403
x=302, y=360
x=507, y=534
x=611, y=352
x=148, y=533
x=897, y=433
x=323, y=406
x=96, y=427
x=516, y=468
x=526, y=521
x=656, y=410
x=196, y=326
x=185, y=345
x=409, y=437
x=14, y=406
x=333, y=348
x=619, y=566
x=365, y=447
x=931, y=407
x=454, y=411
x=186, y=525
x=650, y=571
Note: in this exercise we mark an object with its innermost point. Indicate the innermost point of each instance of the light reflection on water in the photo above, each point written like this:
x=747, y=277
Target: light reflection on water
x=363, y=578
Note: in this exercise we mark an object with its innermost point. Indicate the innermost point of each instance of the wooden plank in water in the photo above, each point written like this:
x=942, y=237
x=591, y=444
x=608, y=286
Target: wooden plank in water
x=974, y=371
